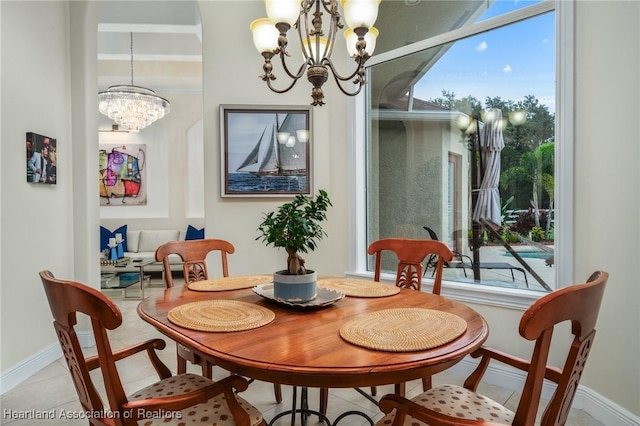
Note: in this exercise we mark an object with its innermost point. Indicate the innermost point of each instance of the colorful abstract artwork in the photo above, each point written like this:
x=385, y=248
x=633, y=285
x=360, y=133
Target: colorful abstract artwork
x=122, y=175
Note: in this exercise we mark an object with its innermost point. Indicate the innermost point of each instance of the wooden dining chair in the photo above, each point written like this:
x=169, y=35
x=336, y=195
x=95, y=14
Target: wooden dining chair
x=181, y=399
x=410, y=254
x=456, y=405
x=194, y=256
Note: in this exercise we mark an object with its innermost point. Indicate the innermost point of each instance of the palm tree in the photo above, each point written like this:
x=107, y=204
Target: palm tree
x=535, y=169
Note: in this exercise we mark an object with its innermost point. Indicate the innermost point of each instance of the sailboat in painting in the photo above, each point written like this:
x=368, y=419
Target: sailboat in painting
x=284, y=157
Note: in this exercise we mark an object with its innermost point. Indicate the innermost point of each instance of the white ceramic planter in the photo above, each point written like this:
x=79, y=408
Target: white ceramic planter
x=294, y=288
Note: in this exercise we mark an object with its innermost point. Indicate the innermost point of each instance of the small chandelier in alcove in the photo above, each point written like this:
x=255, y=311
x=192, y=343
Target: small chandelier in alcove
x=132, y=107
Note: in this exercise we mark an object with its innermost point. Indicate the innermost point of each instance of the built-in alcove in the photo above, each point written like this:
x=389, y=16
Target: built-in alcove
x=165, y=37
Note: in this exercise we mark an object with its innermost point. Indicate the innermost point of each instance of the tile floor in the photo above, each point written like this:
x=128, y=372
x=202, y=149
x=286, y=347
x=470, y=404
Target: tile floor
x=51, y=388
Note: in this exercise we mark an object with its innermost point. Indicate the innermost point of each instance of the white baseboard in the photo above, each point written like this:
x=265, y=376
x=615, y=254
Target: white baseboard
x=594, y=404
x=30, y=366
x=605, y=410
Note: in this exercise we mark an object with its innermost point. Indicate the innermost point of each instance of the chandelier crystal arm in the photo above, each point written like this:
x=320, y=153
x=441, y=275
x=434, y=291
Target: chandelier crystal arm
x=357, y=76
x=334, y=25
x=281, y=51
x=299, y=26
x=346, y=92
x=275, y=89
x=315, y=45
x=300, y=72
x=268, y=76
x=360, y=58
x=314, y=35
x=359, y=71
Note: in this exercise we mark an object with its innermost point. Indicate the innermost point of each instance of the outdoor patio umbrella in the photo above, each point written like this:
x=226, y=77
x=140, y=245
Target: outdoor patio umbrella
x=487, y=211
x=491, y=144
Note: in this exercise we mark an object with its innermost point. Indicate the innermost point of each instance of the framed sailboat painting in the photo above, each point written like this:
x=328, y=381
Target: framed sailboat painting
x=265, y=150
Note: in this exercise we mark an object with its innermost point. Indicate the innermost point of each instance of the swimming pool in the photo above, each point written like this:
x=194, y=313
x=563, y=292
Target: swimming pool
x=531, y=254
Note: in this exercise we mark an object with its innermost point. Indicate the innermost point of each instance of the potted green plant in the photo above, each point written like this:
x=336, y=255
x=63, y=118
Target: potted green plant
x=295, y=226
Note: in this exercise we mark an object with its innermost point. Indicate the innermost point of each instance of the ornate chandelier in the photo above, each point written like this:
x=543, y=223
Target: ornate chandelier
x=270, y=38
x=132, y=107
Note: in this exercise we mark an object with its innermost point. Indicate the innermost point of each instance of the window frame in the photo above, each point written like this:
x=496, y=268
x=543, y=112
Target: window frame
x=564, y=132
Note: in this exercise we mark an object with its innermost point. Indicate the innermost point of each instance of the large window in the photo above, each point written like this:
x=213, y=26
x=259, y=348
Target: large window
x=461, y=140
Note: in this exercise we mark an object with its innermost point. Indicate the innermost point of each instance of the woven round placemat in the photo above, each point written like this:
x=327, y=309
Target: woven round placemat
x=230, y=283
x=403, y=329
x=220, y=315
x=358, y=288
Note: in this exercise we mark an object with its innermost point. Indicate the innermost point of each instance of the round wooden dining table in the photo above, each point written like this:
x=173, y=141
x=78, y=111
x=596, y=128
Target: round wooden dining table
x=303, y=347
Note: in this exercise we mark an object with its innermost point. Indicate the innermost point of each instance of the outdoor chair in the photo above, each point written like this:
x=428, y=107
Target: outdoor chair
x=433, y=259
x=456, y=405
x=465, y=262
x=410, y=254
x=181, y=399
x=194, y=255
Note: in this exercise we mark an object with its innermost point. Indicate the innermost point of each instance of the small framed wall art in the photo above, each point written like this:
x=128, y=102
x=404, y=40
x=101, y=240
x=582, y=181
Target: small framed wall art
x=265, y=150
x=42, y=159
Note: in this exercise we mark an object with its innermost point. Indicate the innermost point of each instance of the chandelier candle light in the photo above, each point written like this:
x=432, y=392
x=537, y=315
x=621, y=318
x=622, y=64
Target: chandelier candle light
x=132, y=107
x=270, y=38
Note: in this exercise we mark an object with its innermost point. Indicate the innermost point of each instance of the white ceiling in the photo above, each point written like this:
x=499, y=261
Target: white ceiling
x=167, y=45
x=167, y=38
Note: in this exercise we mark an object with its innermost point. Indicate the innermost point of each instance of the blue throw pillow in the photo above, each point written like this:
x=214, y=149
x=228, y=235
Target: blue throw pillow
x=105, y=234
x=194, y=233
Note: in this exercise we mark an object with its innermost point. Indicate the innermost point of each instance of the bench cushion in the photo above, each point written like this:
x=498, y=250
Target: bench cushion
x=133, y=241
x=150, y=240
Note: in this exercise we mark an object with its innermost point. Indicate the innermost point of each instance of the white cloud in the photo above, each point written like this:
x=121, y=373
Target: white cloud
x=549, y=102
x=506, y=69
x=482, y=46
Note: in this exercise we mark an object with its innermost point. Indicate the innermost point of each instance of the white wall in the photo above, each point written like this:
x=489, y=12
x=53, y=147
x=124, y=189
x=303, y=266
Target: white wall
x=36, y=219
x=606, y=196
x=237, y=219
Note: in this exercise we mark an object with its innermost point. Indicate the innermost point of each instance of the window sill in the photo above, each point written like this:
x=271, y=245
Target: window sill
x=514, y=298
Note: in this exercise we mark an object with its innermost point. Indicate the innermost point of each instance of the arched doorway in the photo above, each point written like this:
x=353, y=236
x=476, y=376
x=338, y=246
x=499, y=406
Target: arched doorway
x=165, y=37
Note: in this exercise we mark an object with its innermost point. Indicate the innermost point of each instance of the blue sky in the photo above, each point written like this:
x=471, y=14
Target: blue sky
x=510, y=62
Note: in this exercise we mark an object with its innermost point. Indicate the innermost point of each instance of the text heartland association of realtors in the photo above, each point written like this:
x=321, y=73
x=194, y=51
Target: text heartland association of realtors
x=54, y=414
